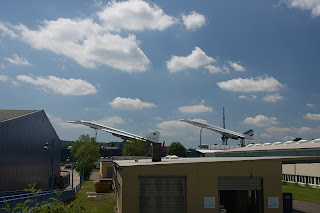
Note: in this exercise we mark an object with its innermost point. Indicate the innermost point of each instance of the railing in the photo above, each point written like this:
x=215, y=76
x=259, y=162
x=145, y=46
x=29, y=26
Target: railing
x=44, y=196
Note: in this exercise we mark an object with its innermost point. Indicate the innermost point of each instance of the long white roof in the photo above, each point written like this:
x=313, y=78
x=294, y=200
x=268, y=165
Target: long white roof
x=288, y=145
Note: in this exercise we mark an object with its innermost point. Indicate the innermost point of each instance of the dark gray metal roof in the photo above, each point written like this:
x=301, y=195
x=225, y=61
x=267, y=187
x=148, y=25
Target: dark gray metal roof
x=11, y=114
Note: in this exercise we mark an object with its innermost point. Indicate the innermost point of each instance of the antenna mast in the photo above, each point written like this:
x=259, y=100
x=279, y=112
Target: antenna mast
x=224, y=138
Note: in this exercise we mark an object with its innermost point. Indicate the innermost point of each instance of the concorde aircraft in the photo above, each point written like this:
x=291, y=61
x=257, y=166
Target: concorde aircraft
x=153, y=137
x=224, y=132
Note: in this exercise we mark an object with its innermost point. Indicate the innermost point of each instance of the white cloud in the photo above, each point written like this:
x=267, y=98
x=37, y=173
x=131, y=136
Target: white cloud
x=193, y=20
x=296, y=130
x=265, y=135
x=134, y=15
x=88, y=43
x=130, y=104
x=195, y=109
x=60, y=85
x=17, y=60
x=4, y=78
x=4, y=28
x=278, y=130
x=63, y=124
x=313, y=5
x=213, y=69
x=267, y=84
x=195, y=60
x=314, y=117
x=288, y=138
x=237, y=67
x=15, y=83
x=175, y=128
x=272, y=98
x=110, y=121
x=252, y=97
x=311, y=105
x=261, y=120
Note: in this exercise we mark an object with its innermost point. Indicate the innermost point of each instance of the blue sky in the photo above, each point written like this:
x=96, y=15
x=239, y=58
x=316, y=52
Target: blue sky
x=142, y=65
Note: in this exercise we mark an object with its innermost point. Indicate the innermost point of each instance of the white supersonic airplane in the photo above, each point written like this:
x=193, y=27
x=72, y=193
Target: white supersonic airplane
x=226, y=134
x=153, y=137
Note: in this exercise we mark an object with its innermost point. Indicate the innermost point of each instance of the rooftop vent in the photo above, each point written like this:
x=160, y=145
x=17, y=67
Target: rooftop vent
x=288, y=142
x=315, y=140
x=302, y=141
x=172, y=157
x=277, y=143
x=266, y=144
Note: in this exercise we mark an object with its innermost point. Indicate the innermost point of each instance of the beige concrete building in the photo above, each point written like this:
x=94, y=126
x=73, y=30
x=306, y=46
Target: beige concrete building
x=238, y=184
x=106, y=168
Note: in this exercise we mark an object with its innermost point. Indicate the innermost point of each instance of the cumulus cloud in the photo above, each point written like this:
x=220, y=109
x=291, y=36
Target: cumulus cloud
x=17, y=60
x=58, y=121
x=265, y=135
x=313, y=5
x=288, y=138
x=195, y=109
x=110, y=121
x=4, y=78
x=296, y=130
x=272, y=98
x=237, y=67
x=177, y=128
x=314, y=117
x=130, y=104
x=261, y=120
x=136, y=15
x=267, y=84
x=251, y=97
x=311, y=105
x=6, y=31
x=194, y=20
x=195, y=60
x=213, y=69
x=88, y=43
x=60, y=85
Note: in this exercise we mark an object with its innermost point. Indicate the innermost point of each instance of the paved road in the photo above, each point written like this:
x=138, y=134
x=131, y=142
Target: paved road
x=76, y=178
x=304, y=207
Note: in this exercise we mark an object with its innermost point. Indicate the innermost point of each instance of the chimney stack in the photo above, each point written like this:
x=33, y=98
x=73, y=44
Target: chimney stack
x=156, y=152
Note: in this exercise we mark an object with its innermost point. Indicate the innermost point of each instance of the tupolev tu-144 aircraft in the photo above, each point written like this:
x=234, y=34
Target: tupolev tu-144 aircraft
x=153, y=137
x=226, y=134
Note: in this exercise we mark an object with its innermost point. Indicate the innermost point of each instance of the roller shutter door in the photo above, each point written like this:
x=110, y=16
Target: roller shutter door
x=162, y=194
x=231, y=183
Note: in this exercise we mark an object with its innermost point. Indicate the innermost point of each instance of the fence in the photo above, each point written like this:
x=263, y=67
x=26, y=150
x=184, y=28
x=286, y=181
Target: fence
x=44, y=196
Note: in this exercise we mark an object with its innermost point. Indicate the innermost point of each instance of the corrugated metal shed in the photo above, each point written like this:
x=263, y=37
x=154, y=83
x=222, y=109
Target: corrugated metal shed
x=23, y=160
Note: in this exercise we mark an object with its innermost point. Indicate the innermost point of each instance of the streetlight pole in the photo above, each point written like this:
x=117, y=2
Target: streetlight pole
x=68, y=159
x=52, y=163
x=83, y=171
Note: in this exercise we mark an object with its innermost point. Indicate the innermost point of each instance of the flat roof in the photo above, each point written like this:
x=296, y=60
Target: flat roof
x=11, y=114
x=164, y=161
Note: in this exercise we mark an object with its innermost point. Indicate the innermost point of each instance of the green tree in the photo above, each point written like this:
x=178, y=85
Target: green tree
x=176, y=148
x=135, y=148
x=85, y=150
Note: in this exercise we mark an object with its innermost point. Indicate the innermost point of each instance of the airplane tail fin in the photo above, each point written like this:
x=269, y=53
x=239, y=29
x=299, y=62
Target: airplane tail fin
x=153, y=136
x=249, y=134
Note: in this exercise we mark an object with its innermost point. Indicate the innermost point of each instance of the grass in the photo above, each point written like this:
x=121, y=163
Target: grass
x=302, y=193
x=96, y=206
